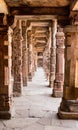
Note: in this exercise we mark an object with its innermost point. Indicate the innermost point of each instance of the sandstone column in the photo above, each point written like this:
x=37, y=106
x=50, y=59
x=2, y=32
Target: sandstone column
x=35, y=54
x=24, y=54
x=53, y=52
x=6, y=95
x=17, y=59
x=59, y=76
x=69, y=105
x=46, y=57
x=29, y=55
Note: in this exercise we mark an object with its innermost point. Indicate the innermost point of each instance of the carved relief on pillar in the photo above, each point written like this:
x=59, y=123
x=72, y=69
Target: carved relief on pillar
x=46, y=61
x=6, y=95
x=59, y=76
x=17, y=61
x=69, y=105
x=60, y=51
x=29, y=54
x=24, y=53
x=53, y=52
x=5, y=102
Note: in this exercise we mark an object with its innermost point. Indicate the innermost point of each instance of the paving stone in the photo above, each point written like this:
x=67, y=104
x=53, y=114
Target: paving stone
x=45, y=121
x=76, y=123
x=62, y=123
x=57, y=128
x=37, y=109
x=8, y=129
x=19, y=122
x=2, y=126
x=22, y=113
x=34, y=127
x=36, y=113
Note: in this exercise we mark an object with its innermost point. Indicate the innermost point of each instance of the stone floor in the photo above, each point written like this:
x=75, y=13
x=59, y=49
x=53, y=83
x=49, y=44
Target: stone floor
x=36, y=109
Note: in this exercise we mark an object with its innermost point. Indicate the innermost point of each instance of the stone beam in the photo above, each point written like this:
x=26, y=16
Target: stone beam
x=41, y=28
x=24, y=10
x=41, y=38
x=40, y=24
x=40, y=41
x=37, y=17
x=40, y=44
x=40, y=31
x=39, y=49
x=40, y=35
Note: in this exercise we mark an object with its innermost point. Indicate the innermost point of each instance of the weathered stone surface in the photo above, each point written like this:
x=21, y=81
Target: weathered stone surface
x=37, y=99
x=69, y=105
x=53, y=52
x=19, y=123
x=24, y=53
x=17, y=61
x=38, y=3
x=59, y=76
x=34, y=126
x=57, y=128
x=6, y=98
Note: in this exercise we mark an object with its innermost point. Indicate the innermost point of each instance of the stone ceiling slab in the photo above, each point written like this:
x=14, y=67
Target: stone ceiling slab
x=38, y=3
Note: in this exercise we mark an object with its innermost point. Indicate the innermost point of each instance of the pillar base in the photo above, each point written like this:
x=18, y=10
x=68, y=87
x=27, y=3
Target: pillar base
x=16, y=94
x=68, y=109
x=24, y=81
x=7, y=114
x=30, y=77
x=17, y=89
x=57, y=89
x=51, y=84
x=25, y=84
x=57, y=93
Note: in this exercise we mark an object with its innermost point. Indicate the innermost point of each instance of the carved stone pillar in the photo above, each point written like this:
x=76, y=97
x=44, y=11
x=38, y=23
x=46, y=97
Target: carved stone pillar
x=24, y=54
x=17, y=60
x=46, y=61
x=53, y=53
x=69, y=105
x=6, y=95
x=35, y=54
x=29, y=55
x=59, y=76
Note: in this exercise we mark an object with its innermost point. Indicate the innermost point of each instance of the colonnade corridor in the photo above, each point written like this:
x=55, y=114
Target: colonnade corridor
x=36, y=109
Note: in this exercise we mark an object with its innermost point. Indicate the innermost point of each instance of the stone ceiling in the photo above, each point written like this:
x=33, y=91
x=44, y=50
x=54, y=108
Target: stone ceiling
x=38, y=3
